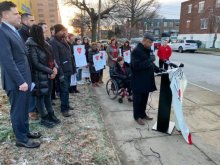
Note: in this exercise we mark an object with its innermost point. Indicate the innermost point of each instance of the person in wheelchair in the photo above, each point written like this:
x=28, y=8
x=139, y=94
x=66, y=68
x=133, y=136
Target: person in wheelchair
x=122, y=75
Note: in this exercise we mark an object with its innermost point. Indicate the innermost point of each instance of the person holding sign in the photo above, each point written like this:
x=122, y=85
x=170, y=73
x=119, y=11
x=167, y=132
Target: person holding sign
x=100, y=48
x=126, y=47
x=113, y=53
x=93, y=72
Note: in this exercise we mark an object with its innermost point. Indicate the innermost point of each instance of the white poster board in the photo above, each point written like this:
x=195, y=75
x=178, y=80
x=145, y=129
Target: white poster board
x=178, y=85
x=85, y=72
x=73, y=80
x=127, y=56
x=80, y=55
x=103, y=55
x=120, y=52
x=98, y=64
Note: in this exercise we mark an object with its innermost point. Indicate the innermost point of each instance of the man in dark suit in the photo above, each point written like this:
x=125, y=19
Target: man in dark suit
x=142, y=80
x=15, y=74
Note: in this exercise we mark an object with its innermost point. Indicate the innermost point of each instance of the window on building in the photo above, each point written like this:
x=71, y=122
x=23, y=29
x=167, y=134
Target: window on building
x=217, y=3
x=158, y=24
x=201, y=6
x=40, y=4
x=165, y=24
x=41, y=15
x=171, y=24
x=188, y=24
x=204, y=23
x=40, y=10
x=189, y=8
x=152, y=24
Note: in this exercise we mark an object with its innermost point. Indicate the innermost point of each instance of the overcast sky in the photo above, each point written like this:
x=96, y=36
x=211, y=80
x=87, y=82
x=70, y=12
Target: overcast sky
x=170, y=8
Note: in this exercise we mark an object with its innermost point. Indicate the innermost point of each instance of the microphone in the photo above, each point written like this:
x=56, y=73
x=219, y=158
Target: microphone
x=181, y=65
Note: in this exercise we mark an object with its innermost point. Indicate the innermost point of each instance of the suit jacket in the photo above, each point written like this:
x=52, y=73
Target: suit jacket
x=15, y=68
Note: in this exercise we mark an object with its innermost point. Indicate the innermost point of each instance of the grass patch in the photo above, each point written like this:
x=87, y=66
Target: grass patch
x=209, y=49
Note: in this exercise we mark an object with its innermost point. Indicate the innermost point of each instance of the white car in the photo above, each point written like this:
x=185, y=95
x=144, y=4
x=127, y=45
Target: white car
x=184, y=45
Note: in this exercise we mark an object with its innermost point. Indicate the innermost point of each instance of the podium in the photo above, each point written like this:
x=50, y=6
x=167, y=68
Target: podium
x=163, y=123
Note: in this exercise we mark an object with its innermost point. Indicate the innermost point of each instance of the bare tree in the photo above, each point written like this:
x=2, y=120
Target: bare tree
x=92, y=13
x=215, y=24
x=136, y=10
x=81, y=23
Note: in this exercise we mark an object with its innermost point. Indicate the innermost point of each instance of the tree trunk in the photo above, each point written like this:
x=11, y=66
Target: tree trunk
x=215, y=38
x=94, y=30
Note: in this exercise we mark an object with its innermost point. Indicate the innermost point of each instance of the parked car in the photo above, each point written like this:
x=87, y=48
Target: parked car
x=104, y=42
x=184, y=45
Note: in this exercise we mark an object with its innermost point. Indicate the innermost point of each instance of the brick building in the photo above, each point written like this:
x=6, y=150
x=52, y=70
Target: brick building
x=160, y=27
x=197, y=21
x=46, y=11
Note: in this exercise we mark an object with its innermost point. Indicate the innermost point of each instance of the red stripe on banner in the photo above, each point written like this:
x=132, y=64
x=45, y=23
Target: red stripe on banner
x=190, y=139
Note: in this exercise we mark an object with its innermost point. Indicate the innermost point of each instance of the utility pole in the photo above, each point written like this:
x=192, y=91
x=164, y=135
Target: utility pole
x=99, y=20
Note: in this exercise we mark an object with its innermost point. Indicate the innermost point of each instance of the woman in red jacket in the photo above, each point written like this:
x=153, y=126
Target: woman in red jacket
x=164, y=53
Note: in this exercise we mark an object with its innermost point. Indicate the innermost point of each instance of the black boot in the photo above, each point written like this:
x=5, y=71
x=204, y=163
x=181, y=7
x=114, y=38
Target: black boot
x=46, y=122
x=53, y=118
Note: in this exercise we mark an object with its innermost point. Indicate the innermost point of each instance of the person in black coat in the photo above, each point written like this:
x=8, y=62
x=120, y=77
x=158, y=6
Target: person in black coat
x=93, y=73
x=122, y=75
x=63, y=56
x=27, y=21
x=142, y=79
x=43, y=72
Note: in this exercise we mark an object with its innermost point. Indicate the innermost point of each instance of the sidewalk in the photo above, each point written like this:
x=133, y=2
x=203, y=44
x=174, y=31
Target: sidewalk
x=139, y=145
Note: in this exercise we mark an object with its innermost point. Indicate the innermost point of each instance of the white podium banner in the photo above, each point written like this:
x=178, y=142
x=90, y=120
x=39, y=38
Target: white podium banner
x=98, y=62
x=80, y=55
x=178, y=85
x=127, y=56
x=103, y=56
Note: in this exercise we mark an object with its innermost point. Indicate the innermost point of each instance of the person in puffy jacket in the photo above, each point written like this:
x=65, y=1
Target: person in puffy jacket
x=43, y=72
x=164, y=53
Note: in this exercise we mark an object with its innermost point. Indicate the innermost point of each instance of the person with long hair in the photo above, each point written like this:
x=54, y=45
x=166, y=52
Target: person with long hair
x=125, y=47
x=43, y=72
x=113, y=53
x=100, y=47
x=93, y=73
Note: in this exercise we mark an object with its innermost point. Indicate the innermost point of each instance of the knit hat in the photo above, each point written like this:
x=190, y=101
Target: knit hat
x=149, y=36
x=58, y=28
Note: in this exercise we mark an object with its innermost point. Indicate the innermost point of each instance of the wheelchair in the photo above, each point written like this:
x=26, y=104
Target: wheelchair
x=114, y=90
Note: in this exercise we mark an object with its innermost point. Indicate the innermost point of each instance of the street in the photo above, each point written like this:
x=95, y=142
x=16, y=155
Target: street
x=201, y=69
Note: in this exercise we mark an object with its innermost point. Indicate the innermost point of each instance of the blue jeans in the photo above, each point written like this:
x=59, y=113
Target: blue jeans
x=64, y=93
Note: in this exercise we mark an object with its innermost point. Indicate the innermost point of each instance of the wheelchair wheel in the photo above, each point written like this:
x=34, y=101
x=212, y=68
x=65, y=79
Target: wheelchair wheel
x=112, y=89
x=120, y=100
